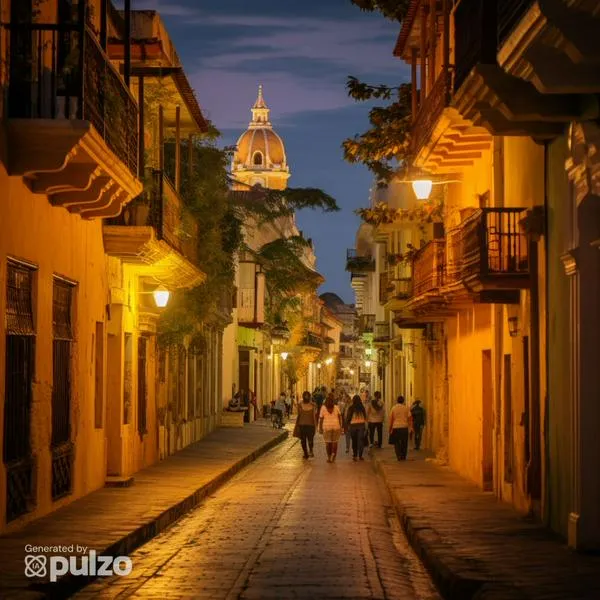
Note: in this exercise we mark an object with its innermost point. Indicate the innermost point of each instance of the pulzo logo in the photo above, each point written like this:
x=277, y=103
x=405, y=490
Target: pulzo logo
x=88, y=565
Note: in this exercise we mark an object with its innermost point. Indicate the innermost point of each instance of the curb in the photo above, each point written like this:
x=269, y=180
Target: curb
x=455, y=577
x=69, y=584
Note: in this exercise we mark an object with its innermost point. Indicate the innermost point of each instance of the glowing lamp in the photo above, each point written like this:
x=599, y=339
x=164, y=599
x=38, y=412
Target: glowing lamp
x=161, y=296
x=329, y=361
x=351, y=371
x=367, y=363
x=319, y=365
x=422, y=188
x=369, y=351
x=284, y=355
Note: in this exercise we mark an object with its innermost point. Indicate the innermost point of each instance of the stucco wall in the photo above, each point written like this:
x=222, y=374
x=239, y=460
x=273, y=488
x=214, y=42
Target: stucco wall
x=61, y=243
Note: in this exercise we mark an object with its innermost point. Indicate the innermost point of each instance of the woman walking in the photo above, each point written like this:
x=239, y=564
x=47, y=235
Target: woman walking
x=399, y=428
x=356, y=418
x=330, y=425
x=375, y=417
x=307, y=421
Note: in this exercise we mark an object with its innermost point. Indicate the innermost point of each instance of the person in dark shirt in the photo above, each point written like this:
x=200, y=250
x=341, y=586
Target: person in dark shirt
x=417, y=413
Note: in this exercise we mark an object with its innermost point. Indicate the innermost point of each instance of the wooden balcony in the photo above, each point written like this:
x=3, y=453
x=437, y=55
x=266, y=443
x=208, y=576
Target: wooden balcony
x=381, y=332
x=553, y=45
x=366, y=324
x=521, y=65
x=356, y=263
x=155, y=230
x=394, y=291
x=492, y=254
x=72, y=122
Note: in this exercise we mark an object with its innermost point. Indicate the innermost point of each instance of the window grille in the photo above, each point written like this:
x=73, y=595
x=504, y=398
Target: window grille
x=142, y=384
x=19, y=300
x=62, y=449
x=19, y=373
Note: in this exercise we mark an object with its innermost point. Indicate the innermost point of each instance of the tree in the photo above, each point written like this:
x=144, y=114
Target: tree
x=395, y=10
x=384, y=148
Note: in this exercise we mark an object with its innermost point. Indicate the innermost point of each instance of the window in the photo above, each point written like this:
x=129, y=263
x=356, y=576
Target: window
x=99, y=375
x=257, y=158
x=62, y=329
x=127, y=377
x=142, y=385
x=19, y=373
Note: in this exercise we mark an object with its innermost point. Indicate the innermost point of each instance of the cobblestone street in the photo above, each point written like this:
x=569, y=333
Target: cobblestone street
x=282, y=528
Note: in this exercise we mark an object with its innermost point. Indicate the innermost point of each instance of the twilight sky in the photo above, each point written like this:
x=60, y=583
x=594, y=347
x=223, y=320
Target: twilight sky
x=302, y=53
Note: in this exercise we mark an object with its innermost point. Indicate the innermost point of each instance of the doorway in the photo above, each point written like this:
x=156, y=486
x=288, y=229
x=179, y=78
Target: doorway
x=508, y=432
x=487, y=421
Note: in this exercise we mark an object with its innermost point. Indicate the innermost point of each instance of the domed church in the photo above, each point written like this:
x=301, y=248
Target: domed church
x=260, y=154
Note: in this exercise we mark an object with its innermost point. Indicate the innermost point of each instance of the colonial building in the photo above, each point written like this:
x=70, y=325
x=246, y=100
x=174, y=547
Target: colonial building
x=89, y=236
x=504, y=122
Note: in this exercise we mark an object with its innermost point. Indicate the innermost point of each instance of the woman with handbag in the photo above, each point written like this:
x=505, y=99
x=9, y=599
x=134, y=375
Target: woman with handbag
x=330, y=426
x=399, y=421
x=306, y=422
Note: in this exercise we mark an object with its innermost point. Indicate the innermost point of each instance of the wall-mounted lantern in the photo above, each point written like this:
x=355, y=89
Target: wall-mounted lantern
x=284, y=355
x=329, y=361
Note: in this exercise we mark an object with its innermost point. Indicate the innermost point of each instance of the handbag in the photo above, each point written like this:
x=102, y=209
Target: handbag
x=296, y=432
x=392, y=438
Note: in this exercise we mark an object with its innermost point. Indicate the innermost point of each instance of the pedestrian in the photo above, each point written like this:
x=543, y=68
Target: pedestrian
x=280, y=410
x=346, y=402
x=307, y=421
x=399, y=428
x=376, y=417
x=356, y=418
x=330, y=426
x=417, y=413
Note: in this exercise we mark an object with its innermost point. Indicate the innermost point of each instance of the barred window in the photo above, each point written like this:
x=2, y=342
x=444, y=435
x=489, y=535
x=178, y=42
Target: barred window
x=19, y=299
x=62, y=306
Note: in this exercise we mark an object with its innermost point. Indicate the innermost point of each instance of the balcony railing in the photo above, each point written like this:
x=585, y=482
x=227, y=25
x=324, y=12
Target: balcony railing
x=492, y=244
x=431, y=109
x=428, y=267
x=357, y=263
x=381, y=332
x=161, y=207
x=366, y=323
x=59, y=71
x=313, y=341
x=386, y=287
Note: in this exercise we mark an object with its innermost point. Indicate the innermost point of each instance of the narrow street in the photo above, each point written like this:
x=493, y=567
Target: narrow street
x=282, y=528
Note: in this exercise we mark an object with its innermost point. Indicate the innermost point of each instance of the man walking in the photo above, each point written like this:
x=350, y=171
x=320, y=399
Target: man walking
x=399, y=428
x=417, y=413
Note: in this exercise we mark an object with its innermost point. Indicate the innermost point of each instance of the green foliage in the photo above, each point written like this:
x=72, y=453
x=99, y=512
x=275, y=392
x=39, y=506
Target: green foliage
x=394, y=10
x=385, y=146
x=382, y=213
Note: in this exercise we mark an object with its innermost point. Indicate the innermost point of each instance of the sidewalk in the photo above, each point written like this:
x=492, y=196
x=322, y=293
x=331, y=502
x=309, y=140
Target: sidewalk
x=114, y=521
x=476, y=547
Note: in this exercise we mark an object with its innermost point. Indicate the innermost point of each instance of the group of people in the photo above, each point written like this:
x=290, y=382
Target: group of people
x=360, y=419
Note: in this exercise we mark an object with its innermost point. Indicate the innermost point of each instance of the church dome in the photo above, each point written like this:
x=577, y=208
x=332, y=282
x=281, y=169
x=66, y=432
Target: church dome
x=259, y=147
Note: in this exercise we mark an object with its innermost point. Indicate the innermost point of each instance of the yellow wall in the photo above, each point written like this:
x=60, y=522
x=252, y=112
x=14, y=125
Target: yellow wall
x=57, y=242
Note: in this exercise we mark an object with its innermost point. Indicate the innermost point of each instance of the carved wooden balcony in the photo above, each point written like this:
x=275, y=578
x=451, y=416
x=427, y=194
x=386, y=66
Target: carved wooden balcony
x=72, y=122
x=492, y=254
x=394, y=291
x=522, y=65
x=366, y=324
x=156, y=230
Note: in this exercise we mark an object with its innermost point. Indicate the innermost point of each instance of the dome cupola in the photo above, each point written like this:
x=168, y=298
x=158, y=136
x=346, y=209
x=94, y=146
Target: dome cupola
x=260, y=157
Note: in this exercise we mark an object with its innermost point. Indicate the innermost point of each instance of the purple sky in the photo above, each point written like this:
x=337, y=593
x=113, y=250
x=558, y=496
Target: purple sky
x=302, y=53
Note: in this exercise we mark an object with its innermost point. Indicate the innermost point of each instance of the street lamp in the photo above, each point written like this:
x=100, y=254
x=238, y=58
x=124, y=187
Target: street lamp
x=284, y=355
x=367, y=363
x=161, y=296
x=422, y=188
x=329, y=361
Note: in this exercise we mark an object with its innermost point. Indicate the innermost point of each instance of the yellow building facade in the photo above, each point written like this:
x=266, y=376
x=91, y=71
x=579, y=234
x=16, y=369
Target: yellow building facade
x=88, y=234
x=500, y=127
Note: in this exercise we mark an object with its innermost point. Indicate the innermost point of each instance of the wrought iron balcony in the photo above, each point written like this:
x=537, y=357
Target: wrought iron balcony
x=381, y=332
x=72, y=121
x=492, y=251
x=393, y=288
x=366, y=323
x=356, y=263
x=312, y=341
x=429, y=267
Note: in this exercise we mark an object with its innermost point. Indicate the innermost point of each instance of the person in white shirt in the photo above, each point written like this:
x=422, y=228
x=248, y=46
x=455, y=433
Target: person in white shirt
x=330, y=425
x=399, y=421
